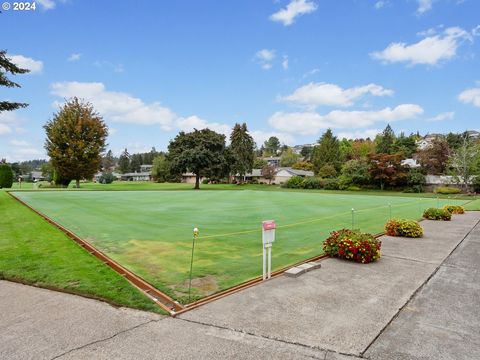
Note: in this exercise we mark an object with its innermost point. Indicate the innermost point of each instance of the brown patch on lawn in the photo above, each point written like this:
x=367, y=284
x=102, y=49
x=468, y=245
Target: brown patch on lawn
x=202, y=286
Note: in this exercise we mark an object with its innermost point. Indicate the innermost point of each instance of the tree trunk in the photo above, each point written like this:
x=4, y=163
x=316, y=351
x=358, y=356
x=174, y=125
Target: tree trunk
x=77, y=182
x=197, y=181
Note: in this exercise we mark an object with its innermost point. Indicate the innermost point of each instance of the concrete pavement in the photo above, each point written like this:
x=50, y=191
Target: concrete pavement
x=416, y=302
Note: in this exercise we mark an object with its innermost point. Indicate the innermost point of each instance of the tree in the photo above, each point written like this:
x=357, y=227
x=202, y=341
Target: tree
x=385, y=141
x=108, y=161
x=268, y=172
x=47, y=171
x=161, y=168
x=6, y=176
x=242, y=147
x=346, y=149
x=259, y=163
x=6, y=66
x=124, y=162
x=465, y=161
x=272, y=145
x=405, y=144
x=75, y=140
x=434, y=158
x=135, y=162
x=361, y=148
x=355, y=172
x=326, y=152
x=454, y=140
x=416, y=180
x=199, y=152
x=303, y=165
x=387, y=169
x=327, y=171
x=306, y=152
x=288, y=158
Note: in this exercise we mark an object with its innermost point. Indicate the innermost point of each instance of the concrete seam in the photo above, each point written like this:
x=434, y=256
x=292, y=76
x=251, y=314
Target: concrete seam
x=107, y=338
x=267, y=337
x=418, y=289
x=407, y=259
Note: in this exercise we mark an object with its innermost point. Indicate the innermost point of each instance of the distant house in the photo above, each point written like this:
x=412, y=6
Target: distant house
x=96, y=177
x=136, y=176
x=411, y=163
x=282, y=175
x=434, y=181
x=273, y=161
x=189, y=178
x=146, y=168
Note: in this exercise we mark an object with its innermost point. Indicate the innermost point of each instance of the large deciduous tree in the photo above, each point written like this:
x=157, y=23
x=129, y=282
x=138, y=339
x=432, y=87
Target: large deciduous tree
x=326, y=152
x=434, y=158
x=6, y=66
x=202, y=152
x=242, y=147
x=464, y=161
x=289, y=158
x=387, y=169
x=76, y=138
x=271, y=146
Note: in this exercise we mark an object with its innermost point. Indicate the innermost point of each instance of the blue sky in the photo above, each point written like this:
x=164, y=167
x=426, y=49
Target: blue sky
x=290, y=68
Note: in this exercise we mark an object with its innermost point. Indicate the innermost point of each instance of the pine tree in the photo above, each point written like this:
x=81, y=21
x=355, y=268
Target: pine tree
x=385, y=141
x=108, y=162
x=242, y=146
x=124, y=162
x=6, y=66
x=326, y=152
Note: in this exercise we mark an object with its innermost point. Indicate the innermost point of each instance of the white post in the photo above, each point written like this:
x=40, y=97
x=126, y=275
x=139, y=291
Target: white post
x=264, y=263
x=269, y=261
x=268, y=237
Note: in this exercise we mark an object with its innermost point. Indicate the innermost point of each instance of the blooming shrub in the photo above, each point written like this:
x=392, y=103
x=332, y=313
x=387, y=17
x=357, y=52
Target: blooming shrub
x=437, y=214
x=405, y=228
x=353, y=245
x=454, y=209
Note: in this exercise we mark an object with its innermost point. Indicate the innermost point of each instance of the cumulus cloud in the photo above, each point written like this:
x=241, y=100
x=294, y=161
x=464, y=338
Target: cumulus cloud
x=311, y=123
x=264, y=58
x=261, y=136
x=362, y=134
x=424, y=6
x=35, y=66
x=74, y=57
x=119, y=107
x=316, y=94
x=470, y=96
x=46, y=4
x=442, y=116
x=9, y=121
x=428, y=51
x=293, y=10
x=190, y=123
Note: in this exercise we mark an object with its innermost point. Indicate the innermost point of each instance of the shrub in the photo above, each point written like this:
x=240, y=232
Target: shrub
x=476, y=184
x=353, y=245
x=6, y=176
x=205, y=181
x=447, y=190
x=106, y=178
x=312, y=183
x=454, y=209
x=353, y=188
x=437, y=214
x=416, y=181
x=405, y=228
x=327, y=171
x=331, y=184
x=295, y=182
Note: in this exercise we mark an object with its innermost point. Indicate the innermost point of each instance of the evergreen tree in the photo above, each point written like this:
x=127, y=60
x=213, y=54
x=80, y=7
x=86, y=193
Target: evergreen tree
x=6, y=66
x=326, y=152
x=242, y=147
x=124, y=162
x=385, y=141
x=108, y=161
x=272, y=145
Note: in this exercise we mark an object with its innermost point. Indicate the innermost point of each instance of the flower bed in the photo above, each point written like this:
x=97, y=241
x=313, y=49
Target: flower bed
x=454, y=209
x=405, y=228
x=353, y=245
x=437, y=214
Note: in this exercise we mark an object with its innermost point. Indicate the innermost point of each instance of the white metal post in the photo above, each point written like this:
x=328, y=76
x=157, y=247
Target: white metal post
x=269, y=261
x=264, y=263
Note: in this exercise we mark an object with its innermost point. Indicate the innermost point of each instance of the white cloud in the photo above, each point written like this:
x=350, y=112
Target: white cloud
x=381, y=4
x=294, y=9
x=35, y=66
x=310, y=73
x=74, y=57
x=16, y=142
x=118, y=68
x=311, y=123
x=429, y=51
x=8, y=120
x=264, y=58
x=424, y=6
x=285, y=62
x=117, y=106
x=5, y=129
x=47, y=4
x=316, y=94
x=190, y=123
x=261, y=136
x=442, y=116
x=362, y=134
x=470, y=96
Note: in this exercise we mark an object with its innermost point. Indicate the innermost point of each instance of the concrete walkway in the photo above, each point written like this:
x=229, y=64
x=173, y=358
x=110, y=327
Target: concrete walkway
x=417, y=302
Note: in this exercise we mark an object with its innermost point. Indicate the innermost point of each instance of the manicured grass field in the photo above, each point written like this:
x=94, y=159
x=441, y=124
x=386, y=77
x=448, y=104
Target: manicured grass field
x=34, y=252
x=150, y=232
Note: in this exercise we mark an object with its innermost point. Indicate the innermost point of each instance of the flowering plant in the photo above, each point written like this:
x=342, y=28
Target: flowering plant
x=437, y=214
x=353, y=245
x=454, y=209
x=405, y=228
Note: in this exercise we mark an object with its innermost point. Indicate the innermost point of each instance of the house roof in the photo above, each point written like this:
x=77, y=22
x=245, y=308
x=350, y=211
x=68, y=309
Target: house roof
x=136, y=174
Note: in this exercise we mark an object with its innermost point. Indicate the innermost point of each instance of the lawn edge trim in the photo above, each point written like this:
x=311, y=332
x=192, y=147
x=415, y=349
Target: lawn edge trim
x=162, y=300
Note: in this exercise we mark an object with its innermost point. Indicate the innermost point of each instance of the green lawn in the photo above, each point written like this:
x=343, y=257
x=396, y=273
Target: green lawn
x=150, y=232
x=34, y=252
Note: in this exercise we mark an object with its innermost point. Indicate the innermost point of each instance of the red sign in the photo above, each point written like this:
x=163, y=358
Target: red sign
x=269, y=225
